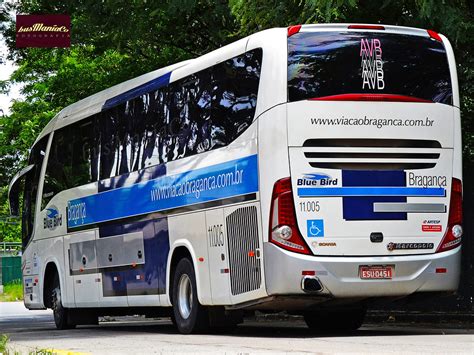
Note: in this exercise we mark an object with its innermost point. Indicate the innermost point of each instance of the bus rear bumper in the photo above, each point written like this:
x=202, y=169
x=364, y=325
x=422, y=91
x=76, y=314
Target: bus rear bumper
x=339, y=276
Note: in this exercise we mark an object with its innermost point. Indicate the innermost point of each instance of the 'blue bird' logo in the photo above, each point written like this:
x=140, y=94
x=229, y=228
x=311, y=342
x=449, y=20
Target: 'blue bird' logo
x=52, y=212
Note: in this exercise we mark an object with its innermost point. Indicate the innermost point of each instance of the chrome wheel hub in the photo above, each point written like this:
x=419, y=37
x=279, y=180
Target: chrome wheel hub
x=185, y=296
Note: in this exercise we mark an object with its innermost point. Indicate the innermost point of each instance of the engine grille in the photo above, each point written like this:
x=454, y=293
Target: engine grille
x=242, y=233
x=372, y=154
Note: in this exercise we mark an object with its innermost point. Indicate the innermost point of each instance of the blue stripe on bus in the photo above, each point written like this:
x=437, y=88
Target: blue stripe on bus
x=149, y=86
x=371, y=191
x=216, y=182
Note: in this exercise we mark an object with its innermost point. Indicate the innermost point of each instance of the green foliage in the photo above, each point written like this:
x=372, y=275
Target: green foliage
x=12, y=292
x=61, y=77
x=43, y=352
x=11, y=232
x=3, y=343
x=3, y=18
x=4, y=346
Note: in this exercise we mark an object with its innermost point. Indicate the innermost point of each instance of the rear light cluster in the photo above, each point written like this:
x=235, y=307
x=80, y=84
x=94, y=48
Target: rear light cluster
x=293, y=30
x=284, y=230
x=434, y=35
x=452, y=237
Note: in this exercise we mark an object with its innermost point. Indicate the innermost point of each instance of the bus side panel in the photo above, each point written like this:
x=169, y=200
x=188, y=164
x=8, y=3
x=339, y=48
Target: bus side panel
x=272, y=88
x=457, y=154
x=189, y=231
x=219, y=268
x=273, y=154
x=143, y=248
x=273, y=165
x=31, y=285
x=80, y=269
x=51, y=250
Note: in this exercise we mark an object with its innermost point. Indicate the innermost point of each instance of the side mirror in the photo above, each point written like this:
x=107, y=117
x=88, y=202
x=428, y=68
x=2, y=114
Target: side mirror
x=14, y=190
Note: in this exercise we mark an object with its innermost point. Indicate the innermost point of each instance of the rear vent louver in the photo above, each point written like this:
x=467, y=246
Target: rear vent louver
x=372, y=154
x=244, y=248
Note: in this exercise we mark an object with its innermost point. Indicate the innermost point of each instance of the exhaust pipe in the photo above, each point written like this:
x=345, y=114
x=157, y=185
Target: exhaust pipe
x=311, y=284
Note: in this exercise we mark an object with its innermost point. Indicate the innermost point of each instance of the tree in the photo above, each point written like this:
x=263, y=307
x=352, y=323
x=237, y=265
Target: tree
x=3, y=18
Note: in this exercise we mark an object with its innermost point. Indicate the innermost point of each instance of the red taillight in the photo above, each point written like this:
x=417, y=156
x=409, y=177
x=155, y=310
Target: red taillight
x=365, y=27
x=452, y=237
x=283, y=229
x=293, y=29
x=434, y=35
x=370, y=97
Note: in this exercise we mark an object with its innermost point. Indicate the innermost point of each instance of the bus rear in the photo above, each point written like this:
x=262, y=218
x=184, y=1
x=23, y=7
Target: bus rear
x=374, y=148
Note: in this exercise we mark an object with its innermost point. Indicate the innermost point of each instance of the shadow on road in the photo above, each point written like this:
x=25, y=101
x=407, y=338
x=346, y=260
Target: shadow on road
x=42, y=327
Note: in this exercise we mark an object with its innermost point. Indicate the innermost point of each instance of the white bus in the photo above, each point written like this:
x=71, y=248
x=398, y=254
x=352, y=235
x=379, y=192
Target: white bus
x=312, y=169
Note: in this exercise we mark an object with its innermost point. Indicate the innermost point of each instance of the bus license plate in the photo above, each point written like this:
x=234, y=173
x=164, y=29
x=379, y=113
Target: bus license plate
x=375, y=272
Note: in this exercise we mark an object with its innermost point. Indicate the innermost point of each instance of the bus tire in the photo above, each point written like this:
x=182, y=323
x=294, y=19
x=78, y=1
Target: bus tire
x=341, y=320
x=190, y=316
x=60, y=313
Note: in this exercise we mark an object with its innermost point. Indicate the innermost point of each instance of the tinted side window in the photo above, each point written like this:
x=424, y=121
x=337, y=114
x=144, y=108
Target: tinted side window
x=73, y=158
x=235, y=90
x=154, y=143
x=85, y=162
x=31, y=189
x=140, y=121
x=110, y=157
x=132, y=135
x=58, y=175
x=190, y=115
x=203, y=111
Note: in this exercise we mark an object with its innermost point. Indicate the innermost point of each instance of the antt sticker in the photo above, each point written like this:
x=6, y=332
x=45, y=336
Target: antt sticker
x=431, y=225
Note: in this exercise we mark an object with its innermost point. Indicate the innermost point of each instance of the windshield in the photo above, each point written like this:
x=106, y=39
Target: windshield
x=322, y=64
x=31, y=189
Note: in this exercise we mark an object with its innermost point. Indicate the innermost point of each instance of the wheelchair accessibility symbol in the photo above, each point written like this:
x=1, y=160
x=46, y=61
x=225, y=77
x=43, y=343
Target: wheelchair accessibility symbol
x=315, y=227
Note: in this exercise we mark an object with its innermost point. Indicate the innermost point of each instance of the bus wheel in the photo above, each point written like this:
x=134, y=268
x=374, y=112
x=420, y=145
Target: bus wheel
x=189, y=315
x=335, y=320
x=61, y=316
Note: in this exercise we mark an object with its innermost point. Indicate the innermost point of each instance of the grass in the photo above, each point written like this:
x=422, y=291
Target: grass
x=3, y=344
x=12, y=292
x=5, y=351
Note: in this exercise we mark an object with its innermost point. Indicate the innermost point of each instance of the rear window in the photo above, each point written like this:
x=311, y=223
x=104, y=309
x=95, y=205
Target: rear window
x=334, y=63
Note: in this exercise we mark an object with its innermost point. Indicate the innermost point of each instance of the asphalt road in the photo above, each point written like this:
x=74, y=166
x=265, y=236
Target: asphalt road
x=29, y=330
